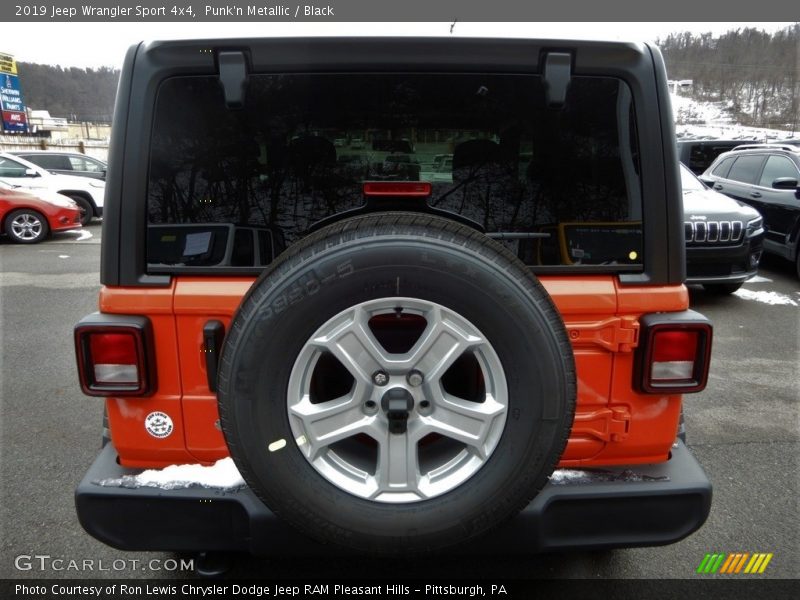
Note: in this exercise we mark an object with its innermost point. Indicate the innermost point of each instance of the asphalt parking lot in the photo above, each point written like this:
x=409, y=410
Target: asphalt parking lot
x=744, y=429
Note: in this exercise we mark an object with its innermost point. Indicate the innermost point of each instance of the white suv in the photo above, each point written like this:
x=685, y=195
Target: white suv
x=87, y=193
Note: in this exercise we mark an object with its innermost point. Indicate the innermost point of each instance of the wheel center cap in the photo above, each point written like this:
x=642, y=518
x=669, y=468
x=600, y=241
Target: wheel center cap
x=397, y=403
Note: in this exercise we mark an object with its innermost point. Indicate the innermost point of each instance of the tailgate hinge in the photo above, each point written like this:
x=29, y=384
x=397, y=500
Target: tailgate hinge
x=615, y=334
x=606, y=424
x=233, y=77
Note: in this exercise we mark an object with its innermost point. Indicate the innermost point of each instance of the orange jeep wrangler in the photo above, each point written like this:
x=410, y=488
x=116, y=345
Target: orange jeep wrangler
x=400, y=282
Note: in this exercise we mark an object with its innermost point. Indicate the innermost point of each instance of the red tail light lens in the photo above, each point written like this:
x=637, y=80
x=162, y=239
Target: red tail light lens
x=114, y=360
x=114, y=357
x=403, y=189
x=675, y=357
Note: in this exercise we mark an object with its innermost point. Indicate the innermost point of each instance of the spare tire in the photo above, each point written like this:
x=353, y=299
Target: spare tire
x=396, y=383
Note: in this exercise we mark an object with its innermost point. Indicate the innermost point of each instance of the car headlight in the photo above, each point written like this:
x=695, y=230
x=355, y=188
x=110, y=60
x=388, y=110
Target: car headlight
x=754, y=225
x=97, y=184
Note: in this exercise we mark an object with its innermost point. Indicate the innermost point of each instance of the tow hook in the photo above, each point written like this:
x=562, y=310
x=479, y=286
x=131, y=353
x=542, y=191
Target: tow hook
x=397, y=403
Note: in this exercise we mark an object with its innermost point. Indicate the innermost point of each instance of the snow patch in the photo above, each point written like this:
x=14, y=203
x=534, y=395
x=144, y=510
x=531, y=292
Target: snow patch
x=773, y=298
x=221, y=475
x=758, y=279
x=713, y=120
x=579, y=476
x=83, y=234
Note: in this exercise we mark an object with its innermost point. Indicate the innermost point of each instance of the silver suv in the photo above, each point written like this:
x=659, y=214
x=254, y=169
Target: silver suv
x=65, y=163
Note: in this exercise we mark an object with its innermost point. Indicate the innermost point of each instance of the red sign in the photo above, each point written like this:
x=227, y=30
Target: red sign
x=14, y=120
x=12, y=116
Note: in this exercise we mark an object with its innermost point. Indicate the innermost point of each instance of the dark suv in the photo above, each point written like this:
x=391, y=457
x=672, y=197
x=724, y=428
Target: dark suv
x=723, y=237
x=765, y=177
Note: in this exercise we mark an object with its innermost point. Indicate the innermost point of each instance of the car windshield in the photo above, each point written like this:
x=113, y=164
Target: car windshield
x=689, y=181
x=494, y=153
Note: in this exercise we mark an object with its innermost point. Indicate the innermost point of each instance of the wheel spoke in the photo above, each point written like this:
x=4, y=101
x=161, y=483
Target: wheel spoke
x=467, y=422
x=440, y=345
x=398, y=464
x=329, y=422
x=351, y=341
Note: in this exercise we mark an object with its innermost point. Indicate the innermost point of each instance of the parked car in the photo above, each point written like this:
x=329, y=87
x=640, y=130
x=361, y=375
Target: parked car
x=400, y=165
x=65, y=163
x=699, y=154
x=723, y=237
x=28, y=218
x=765, y=176
x=87, y=193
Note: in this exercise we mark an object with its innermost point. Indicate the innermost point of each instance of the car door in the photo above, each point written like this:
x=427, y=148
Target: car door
x=87, y=167
x=780, y=208
x=54, y=163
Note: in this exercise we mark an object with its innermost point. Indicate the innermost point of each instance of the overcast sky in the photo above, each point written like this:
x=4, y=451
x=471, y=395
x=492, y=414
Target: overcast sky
x=104, y=44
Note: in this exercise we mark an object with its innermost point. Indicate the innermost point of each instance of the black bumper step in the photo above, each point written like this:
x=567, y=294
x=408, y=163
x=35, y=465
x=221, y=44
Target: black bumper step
x=664, y=503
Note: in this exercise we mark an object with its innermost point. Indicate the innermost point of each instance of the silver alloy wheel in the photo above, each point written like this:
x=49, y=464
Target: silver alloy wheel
x=471, y=428
x=26, y=226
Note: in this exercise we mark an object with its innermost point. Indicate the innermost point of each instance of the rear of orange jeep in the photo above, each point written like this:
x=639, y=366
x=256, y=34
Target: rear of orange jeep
x=425, y=293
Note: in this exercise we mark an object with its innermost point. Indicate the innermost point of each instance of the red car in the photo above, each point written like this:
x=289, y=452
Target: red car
x=28, y=218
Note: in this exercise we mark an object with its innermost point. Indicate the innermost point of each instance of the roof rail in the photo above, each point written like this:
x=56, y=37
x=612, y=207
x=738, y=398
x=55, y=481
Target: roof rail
x=768, y=146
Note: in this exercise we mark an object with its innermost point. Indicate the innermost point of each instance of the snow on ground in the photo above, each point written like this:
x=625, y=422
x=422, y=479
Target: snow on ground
x=568, y=476
x=221, y=475
x=713, y=120
x=773, y=298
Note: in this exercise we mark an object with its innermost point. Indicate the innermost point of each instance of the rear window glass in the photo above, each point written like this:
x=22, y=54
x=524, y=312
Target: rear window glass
x=560, y=188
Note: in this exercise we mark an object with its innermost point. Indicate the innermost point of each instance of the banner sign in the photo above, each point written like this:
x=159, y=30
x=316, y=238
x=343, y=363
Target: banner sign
x=7, y=64
x=15, y=121
x=11, y=102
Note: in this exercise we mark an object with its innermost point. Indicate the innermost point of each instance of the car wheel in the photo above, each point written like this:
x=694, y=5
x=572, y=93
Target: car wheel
x=26, y=226
x=86, y=208
x=721, y=288
x=396, y=383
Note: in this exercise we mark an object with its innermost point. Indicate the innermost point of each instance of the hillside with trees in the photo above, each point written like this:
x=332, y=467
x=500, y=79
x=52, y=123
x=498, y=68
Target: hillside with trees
x=74, y=93
x=756, y=73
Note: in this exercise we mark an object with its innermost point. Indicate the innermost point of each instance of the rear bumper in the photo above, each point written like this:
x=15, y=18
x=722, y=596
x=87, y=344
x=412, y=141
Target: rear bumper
x=661, y=504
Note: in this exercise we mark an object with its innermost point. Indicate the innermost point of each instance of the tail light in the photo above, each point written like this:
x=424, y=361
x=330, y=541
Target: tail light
x=115, y=355
x=674, y=353
x=403, y=189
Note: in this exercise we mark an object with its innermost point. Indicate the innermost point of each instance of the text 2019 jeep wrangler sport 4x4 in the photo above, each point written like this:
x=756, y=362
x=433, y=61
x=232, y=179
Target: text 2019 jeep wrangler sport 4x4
x=396, y=362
